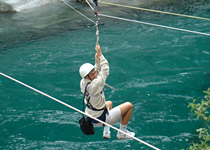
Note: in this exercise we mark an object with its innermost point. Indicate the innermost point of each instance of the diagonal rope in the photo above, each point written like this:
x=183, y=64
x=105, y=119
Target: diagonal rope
x=156, y=11
x=71, y=107
x=89, y=4
x=78, y=11
x=156, y=25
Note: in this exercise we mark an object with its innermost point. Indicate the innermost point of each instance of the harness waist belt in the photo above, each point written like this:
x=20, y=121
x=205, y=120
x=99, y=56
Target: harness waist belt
x=102, y=117
x=92, y=108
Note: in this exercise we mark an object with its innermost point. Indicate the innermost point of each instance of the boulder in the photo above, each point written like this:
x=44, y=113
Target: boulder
x=6, y=8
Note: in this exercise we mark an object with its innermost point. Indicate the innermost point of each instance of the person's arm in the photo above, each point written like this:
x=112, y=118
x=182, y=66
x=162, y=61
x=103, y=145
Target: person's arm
x=97, y=59
x=97, y=84
x=97, y=64
x=98, y=50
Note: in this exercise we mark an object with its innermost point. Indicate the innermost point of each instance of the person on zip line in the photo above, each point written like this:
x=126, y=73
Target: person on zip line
x=93, y=80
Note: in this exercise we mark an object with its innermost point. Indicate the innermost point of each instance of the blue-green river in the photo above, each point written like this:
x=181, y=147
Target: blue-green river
x=158, y=70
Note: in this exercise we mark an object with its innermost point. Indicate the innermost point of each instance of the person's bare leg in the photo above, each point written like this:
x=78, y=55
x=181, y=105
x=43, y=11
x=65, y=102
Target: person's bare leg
x=126, y=112
x=109, y=103
x=106, y=133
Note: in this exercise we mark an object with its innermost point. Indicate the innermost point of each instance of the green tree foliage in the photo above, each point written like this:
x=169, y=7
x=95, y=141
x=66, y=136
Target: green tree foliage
x=201, y=110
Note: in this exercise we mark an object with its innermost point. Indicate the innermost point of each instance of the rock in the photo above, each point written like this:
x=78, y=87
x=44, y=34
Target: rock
x=6, y=8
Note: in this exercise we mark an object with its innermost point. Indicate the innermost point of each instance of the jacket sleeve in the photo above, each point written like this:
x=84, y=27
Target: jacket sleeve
x=97, y=84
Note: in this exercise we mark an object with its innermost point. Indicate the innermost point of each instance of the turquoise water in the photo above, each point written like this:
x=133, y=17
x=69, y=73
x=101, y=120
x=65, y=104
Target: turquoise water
x=159, y=70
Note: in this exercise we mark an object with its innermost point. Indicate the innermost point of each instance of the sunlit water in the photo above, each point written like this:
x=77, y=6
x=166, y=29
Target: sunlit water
x=159, y=70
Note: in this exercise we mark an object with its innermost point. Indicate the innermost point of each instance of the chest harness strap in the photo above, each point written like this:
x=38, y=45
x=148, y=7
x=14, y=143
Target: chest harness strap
x=103, y=115
x=89, y=105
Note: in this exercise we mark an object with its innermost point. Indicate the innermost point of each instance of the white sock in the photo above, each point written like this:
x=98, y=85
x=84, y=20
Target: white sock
x=123, y=127
x=106, y=128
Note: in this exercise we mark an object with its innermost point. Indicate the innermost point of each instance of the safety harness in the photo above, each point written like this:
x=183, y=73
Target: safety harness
x=90, y=106
x=87, y=96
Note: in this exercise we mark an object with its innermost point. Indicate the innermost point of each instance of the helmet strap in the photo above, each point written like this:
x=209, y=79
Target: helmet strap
x=89, y=77
x=88, y=74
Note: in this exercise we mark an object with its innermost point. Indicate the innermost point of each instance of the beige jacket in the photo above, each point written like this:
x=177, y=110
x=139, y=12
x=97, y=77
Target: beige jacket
x=95, y=88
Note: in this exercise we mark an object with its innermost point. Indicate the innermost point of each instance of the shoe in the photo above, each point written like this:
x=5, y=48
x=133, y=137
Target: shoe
x=106, y=135
x=121, y=136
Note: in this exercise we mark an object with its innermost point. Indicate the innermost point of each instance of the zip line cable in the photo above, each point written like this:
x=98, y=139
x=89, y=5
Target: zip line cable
x=156, y=25
x=89, y=4
x=139, y=22
x=156, y=11
x=71, y=107
x=78, y=11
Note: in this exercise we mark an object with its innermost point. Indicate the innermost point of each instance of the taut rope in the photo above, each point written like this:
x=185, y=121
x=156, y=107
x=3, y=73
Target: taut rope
x=140, y=22
x=155, y=11
x=69, y=106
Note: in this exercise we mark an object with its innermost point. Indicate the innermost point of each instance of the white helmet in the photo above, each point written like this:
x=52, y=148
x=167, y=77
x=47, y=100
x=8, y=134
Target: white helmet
x=85, y=69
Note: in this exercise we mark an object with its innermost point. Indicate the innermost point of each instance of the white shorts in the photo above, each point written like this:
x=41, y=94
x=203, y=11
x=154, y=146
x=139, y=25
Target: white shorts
x=113, y=116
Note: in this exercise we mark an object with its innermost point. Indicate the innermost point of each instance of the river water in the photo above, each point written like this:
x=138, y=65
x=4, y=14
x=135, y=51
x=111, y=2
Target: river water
x=159, y=70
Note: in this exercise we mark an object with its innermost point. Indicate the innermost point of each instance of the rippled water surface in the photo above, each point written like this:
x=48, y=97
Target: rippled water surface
x=159, y=70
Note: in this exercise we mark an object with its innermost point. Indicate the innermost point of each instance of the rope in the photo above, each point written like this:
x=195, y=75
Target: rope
x=97, y=37
x=78, y=11
x=89, y=4
x=71, y=107
x=156, y=11
x=97, y=33
x=152, y=24
x=136, y=21
x=96, y=23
